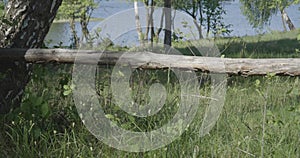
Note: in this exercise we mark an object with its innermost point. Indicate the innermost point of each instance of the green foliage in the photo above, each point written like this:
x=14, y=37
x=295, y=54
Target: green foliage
x=75, y=8
x=238, y=131
x=259, y=12
x=1, y=8
x=68, y=89
x=48, y=125
x=275, y=45
x=207, y=13
x=42, y=109
x=214, y=18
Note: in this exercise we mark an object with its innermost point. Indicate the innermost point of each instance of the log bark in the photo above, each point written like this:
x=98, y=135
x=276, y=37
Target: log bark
x=148, y=60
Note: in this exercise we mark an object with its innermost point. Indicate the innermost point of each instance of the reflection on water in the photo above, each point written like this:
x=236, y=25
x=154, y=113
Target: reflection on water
x=60, y=32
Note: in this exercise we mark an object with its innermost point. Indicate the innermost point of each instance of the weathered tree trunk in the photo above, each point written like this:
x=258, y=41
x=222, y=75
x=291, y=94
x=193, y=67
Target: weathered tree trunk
x=231, y=66
x=137, y=22
x=168, y=24
x=287, y=19
x=28, y=24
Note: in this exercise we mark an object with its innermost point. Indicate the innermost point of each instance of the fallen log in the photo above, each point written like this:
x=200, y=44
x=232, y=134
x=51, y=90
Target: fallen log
x=148, y=60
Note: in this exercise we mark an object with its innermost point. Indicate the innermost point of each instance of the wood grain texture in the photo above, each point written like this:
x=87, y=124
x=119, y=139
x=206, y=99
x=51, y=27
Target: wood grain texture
x=148, y=60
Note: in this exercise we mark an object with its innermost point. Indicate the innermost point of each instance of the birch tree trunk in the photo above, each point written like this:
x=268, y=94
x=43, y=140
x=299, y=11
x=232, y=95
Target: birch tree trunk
x=283, y=23
x=199, y=28
x=27, y=24
x=287, y=19
x=137, y=22
x=147, y=21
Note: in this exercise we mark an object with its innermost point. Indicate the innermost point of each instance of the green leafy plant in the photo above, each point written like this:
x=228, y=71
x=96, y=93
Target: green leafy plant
x=68, y=89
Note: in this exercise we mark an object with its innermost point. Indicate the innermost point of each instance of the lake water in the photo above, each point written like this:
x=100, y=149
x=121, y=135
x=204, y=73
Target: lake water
x=60, y=32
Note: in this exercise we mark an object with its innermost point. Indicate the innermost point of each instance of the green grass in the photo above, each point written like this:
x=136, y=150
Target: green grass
x=1, y=8
x=261, y=115
x=274, y=45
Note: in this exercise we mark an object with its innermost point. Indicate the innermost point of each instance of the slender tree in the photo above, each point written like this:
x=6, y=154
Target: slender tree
x=193, y=8
x=24, y=25
x=259, y=12
x=137, y=22
x=168, y=24
x=282, y=5
x=77, y=9
x=206, y=14
x=150, y=29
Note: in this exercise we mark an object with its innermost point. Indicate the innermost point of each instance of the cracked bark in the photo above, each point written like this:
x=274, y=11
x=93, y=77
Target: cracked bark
x=27, y=23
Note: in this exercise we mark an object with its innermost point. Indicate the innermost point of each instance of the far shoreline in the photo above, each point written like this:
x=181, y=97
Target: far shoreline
x=76, y=20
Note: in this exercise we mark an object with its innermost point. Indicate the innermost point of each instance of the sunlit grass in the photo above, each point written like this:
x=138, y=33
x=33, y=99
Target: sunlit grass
x=274, y=45
x=238, y=131
x=244, y=129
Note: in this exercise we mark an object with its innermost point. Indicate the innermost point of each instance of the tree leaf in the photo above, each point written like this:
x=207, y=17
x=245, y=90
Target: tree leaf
x=44, y=109
x=66, y=87
x=38, y=101
x=67, y=92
